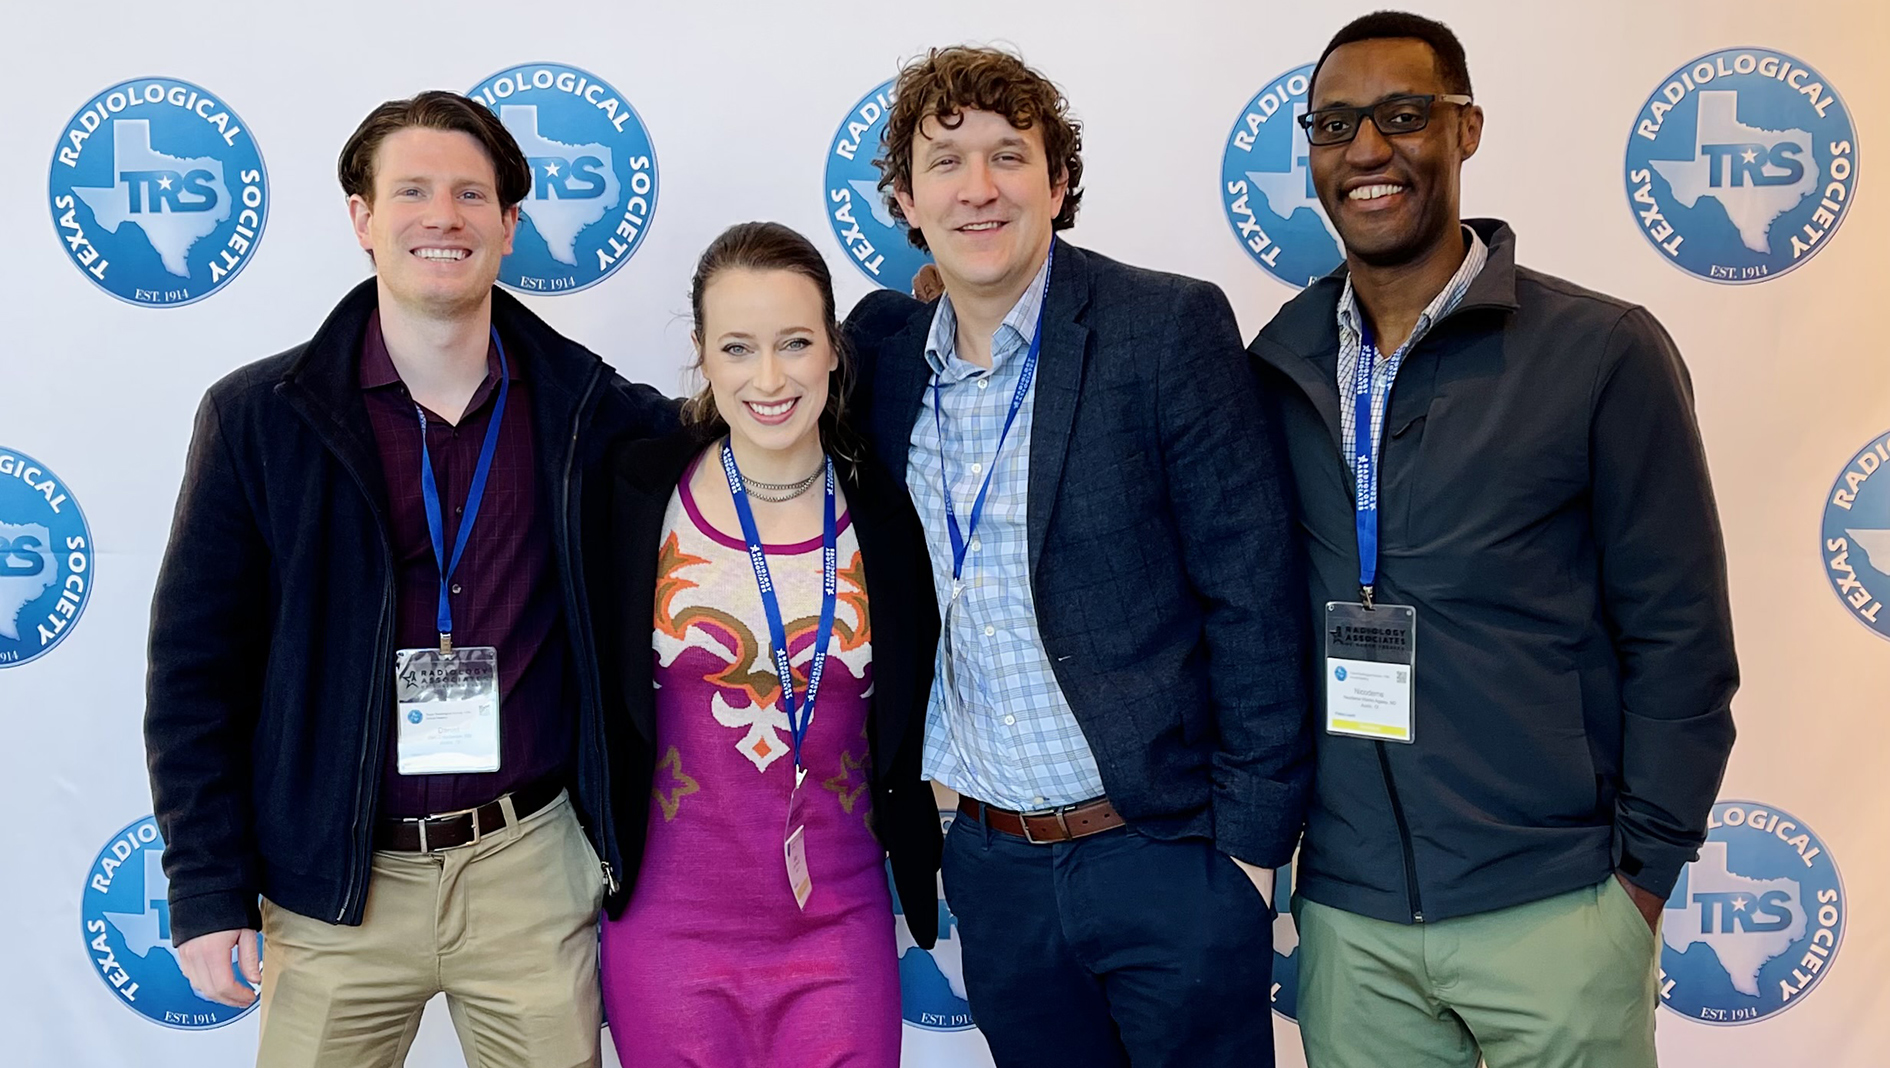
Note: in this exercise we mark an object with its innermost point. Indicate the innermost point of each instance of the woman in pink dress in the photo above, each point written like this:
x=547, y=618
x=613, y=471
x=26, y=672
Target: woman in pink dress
x=754, y=926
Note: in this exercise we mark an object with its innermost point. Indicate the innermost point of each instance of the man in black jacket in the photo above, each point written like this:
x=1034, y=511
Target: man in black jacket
x=382, y=520
x=1501, y=471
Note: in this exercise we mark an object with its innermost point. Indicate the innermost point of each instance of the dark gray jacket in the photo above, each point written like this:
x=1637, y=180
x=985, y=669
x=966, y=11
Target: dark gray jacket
x=1161, y=554
x=1544, y=505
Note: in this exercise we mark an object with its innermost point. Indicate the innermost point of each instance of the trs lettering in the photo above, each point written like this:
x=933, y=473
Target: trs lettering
x=1770, y=911
x=1743, y=164
x=556, y=178
x=22, y=556
x=166, y=190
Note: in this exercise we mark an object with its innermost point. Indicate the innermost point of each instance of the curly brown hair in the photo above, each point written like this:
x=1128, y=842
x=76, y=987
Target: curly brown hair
x=961, y=78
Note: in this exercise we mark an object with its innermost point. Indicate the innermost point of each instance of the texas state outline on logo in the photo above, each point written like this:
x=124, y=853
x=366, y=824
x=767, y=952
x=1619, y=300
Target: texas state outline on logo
x=931, y=981
x=158, y=191
x=1741, y=165
x=46, y=560
x=594, y=179
x=1855, y=536
x=1754, y=924
x=1266, y=186
x=876, y=243
x=126, y=921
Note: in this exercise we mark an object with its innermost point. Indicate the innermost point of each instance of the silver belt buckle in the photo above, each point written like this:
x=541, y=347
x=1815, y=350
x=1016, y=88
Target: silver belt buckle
x=1024, y=818
x=478, y=832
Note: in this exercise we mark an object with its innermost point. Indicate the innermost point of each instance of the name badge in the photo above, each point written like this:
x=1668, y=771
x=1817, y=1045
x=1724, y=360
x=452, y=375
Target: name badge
x=448, y=704
x=794, y=846
x=1370, y=675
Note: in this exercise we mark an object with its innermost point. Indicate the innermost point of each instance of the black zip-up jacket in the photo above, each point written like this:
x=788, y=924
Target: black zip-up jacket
x=1544, y=505
x=272, y=629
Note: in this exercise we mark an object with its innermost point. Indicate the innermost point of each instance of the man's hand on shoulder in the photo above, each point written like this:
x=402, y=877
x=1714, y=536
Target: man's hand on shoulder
x=206, y=963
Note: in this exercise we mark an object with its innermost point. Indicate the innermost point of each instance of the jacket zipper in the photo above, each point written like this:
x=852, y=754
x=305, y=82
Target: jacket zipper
x=1404, y=837
x=573, y=540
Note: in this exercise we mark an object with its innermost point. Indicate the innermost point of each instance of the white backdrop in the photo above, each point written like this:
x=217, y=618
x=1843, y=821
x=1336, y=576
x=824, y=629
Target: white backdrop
x=741, y=104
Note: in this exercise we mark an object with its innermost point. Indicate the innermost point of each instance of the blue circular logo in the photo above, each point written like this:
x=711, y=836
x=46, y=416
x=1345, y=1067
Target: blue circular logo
x=1285, y=946
x=1339, y=673
x=158, y=192
x=415, y=716
x=1741, y=165
x=45, y=560
x=593, y=176
x=876, y=243
x=1755, y=923
x=1266, y=186
x=932, y=982
x=128, y=933
x=1856, y=536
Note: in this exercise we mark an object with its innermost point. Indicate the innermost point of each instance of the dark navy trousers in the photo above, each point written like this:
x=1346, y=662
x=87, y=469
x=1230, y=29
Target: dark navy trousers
x=1112, y=951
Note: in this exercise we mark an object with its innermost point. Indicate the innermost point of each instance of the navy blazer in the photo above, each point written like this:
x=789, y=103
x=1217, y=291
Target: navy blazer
x=1166, y=579
x=623, y=529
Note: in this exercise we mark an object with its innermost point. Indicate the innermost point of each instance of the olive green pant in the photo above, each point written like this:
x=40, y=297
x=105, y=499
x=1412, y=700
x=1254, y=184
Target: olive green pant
x=1567, y=982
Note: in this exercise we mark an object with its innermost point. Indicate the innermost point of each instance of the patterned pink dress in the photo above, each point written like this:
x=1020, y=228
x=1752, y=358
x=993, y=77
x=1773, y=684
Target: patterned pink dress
x=711, y=964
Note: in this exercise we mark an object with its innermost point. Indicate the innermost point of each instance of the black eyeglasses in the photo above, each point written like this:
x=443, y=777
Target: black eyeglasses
x=1395, y=115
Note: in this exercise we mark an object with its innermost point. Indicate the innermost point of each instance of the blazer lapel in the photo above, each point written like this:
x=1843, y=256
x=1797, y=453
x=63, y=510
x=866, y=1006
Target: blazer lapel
x=1060, y=366
x=900, y=391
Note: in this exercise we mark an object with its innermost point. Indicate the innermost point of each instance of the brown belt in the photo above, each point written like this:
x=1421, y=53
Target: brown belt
x=434, y=833
x=1064, y=824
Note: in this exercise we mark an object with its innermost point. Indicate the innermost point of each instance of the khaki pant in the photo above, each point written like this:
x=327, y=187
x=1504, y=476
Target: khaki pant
x=1567, y=982
x=506, y=928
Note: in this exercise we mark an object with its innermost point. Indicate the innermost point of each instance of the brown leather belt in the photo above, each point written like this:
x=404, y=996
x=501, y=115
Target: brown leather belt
x=434, y=833
x=1064, y=824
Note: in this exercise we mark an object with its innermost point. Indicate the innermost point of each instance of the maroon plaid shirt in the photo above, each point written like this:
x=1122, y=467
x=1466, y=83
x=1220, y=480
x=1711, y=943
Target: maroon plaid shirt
x=505, y=592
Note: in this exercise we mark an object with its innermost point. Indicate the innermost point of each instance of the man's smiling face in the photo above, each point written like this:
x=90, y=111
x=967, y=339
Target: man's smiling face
x=435, y=227
x=1391, y=198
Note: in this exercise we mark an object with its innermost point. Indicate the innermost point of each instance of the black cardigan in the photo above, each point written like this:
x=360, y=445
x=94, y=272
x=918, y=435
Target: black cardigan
x=623, y=528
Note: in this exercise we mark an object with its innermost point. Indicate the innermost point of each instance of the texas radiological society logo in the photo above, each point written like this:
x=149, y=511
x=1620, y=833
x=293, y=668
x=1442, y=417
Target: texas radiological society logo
x=1741, y=165
x=158, y=192
x=932, y=982
x=1753, y=924
x=874, y=240
x=1856, y=532
x=128, y=933
x=593, y=176
x=45, y=560
x=1267, y=190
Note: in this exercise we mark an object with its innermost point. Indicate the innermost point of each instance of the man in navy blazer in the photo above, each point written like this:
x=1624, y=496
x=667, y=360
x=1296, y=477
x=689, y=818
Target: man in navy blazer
x=1120, y=699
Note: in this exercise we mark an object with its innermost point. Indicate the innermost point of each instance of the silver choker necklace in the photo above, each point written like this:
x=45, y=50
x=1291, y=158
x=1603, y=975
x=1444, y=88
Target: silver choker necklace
x=776, y=492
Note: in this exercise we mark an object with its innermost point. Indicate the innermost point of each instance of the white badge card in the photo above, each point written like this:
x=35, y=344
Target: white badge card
x=448, y=704
x=1369, y=670
x=794, y=846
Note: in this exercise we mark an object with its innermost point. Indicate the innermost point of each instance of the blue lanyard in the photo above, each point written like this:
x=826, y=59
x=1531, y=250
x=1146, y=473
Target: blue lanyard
x=430, y=491
x=962, y=539
x=799, y=714
x=1364, y=458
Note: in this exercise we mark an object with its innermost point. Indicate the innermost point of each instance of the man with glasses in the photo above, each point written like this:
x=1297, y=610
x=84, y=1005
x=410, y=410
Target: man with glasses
x=1526, y=660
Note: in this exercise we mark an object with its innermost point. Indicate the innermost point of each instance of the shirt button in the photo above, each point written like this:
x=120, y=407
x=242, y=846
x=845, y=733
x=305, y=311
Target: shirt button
x=976, y=544
x=989, y=630
x=455, y=587
x=984, y=383
x=975, y=468
x=1009, y=721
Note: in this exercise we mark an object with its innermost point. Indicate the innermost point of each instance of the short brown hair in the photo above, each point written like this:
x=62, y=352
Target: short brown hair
x=961, y=78
x=435, y=109
x=770, y=246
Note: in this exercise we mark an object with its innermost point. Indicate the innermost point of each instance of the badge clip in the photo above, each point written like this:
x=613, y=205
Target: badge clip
x=446, y=639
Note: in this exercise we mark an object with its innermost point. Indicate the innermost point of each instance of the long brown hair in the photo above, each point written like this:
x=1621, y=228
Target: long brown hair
x=770, y=246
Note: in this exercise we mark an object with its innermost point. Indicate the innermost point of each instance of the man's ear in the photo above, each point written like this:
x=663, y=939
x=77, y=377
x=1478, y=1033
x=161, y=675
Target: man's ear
x=1470, y=131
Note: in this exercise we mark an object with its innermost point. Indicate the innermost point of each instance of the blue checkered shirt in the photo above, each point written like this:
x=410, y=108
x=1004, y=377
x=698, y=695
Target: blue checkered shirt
x=1351, y=343
x=1009, y=738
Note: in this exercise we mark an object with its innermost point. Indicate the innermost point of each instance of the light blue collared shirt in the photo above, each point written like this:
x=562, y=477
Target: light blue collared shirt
x=1009, y=739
